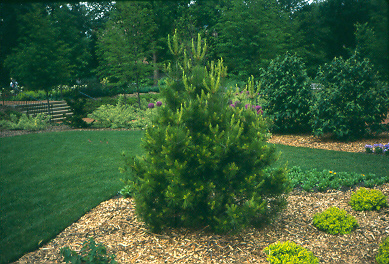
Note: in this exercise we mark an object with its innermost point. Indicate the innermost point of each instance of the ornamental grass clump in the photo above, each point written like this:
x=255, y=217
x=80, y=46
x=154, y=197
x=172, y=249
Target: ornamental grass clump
x=205, y=161
x=289, y=252
x=367, y=200
x=335, y=221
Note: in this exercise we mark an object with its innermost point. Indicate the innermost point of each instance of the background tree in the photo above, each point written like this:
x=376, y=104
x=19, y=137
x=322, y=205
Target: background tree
x=40, y=59
x=249, y=35
x=126, y=44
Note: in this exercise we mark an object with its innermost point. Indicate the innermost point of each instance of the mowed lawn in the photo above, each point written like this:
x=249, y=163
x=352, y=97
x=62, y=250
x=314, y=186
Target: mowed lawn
x=48, y=181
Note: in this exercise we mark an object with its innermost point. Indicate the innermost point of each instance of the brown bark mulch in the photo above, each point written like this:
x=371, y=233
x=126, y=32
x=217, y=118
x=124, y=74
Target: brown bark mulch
x=114, y=224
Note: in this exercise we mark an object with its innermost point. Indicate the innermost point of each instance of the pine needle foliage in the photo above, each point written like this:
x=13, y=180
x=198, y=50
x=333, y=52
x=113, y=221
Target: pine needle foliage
x=205, y=162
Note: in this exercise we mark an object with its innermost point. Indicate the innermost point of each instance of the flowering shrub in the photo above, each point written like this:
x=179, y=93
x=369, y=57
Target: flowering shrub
x=377, y=149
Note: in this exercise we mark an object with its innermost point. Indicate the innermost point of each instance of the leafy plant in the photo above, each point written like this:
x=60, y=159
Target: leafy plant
x=25, y=122
x=367, y=200
x=314, y=180
x=91, y=253
x=76, y=102
x=289, y=252
x=382, y=256
x=352, y=102
x=205, y=161
x=335, y=221
x=122, y=116
x=287, y=90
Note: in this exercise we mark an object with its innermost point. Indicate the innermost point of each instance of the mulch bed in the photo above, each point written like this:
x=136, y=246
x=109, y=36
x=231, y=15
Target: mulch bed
x=114, y=223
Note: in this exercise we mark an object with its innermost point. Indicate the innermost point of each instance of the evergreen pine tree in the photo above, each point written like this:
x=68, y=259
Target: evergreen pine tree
x=206, y=163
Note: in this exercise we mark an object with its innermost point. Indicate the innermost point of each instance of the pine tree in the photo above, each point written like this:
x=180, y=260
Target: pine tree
x=206, y=163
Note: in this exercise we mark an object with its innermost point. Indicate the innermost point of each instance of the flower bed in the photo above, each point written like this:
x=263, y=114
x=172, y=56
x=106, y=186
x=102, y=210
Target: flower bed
x=378, y=149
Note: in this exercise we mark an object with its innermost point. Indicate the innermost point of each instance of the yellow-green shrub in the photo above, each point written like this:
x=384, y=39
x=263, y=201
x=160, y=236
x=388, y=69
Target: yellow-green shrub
x=367, y=200
x=383, y=252
x=335, y=221
x=289, y=252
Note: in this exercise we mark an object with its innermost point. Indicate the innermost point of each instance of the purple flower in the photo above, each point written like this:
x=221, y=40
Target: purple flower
x=260, y=111
x=247, y=106
x=386, y=146
x=232, y=105
x=368, y=146
x=258, y=107
x=151, y=105
x=159, y=103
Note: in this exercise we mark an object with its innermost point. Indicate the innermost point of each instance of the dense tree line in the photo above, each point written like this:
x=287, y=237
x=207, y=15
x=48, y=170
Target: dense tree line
x=125, y=43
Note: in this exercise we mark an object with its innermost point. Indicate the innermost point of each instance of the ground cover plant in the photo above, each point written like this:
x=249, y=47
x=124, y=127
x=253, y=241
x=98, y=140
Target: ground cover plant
x=315, y=180
x=49, y=180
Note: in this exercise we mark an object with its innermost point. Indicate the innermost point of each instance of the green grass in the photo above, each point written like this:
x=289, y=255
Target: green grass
x=48, y=181
x=307, y=158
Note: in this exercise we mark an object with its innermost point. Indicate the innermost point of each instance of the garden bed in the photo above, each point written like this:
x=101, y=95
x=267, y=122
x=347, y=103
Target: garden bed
x=114, y=223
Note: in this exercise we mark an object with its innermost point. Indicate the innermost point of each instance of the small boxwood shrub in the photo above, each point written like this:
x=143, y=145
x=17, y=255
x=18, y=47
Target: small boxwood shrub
x=352, y=103
x=289, y=252
x=335, y=221
x=287, y=90
x=91, y=253
x=382, y=256
x=367, y=200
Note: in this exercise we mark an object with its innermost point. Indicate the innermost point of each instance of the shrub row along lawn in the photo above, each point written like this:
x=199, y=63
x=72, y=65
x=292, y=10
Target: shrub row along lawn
x=48, y=181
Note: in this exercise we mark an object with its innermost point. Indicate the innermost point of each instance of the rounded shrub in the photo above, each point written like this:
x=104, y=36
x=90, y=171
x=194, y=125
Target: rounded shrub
x=352, y=102
x=335, y=221
x=367, y=200
x=289, y=252
x=286, y=89
x=205, y=162
x=382, y=256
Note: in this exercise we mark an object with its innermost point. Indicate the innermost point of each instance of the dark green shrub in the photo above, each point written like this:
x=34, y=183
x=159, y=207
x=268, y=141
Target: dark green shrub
x=91, y=253
x=287, y=90
x=352, y=101
x=205, y=161
x=289, y=252
x=335, y=221
x=383, y=252
x=368, y=200
x=76, y=101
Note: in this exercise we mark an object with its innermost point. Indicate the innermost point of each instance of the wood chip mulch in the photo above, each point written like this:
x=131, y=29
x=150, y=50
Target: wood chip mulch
x=114, y=224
